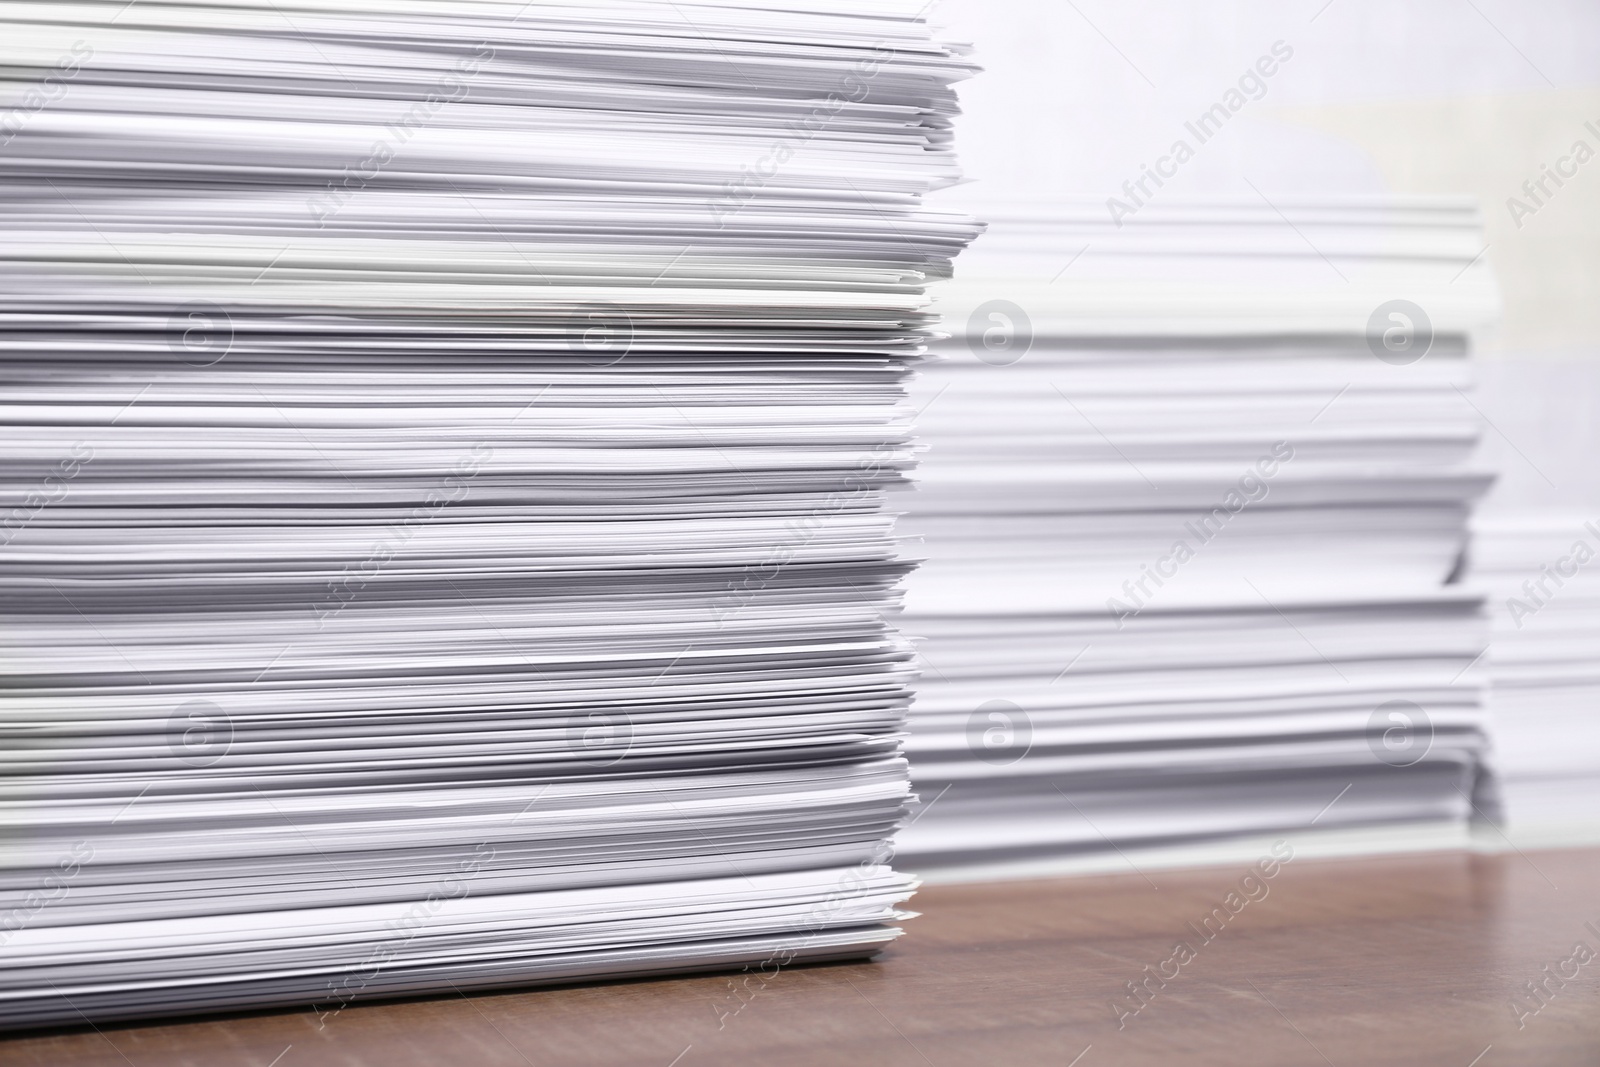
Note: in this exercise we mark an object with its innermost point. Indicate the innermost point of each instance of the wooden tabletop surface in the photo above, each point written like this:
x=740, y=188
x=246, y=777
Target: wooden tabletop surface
x=1420, y=959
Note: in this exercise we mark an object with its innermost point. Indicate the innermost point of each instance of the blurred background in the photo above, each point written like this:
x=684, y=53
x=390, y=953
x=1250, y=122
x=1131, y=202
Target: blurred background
x=1229, y=188
x=1463, y=97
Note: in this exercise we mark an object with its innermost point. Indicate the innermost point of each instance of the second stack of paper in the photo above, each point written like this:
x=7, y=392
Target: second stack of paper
x=1196, y=489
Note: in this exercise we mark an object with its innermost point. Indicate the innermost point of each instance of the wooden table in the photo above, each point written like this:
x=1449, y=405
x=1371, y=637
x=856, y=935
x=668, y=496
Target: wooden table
x=1401, y=960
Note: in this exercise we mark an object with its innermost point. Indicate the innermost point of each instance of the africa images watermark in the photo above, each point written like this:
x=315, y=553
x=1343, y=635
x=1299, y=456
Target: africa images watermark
x=1538, y=592
x=757, y=577
x=416, y=917
x=51, y=89
x=1252, y=85
x=1535, y=996
x=817, y=917
x=450, y=88
x=1252, y=888
x=457, y=485
x=55, y=886
x=1252, y=488
x=999, y=733
x=1537, y=189
x=51, y=490
x=752, y=178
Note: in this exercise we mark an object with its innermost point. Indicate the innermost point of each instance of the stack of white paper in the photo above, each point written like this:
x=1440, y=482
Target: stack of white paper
x=443, y=451
x=1544, y=667
x=1196, y=483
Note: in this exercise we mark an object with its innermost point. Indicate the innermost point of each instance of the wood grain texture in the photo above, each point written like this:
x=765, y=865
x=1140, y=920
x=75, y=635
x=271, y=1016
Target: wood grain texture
x=1401, y=960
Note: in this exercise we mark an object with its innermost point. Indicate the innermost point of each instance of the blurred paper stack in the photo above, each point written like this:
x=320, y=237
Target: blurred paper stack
x=1198, y=482
x=444, y=449
x=1538, y=567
